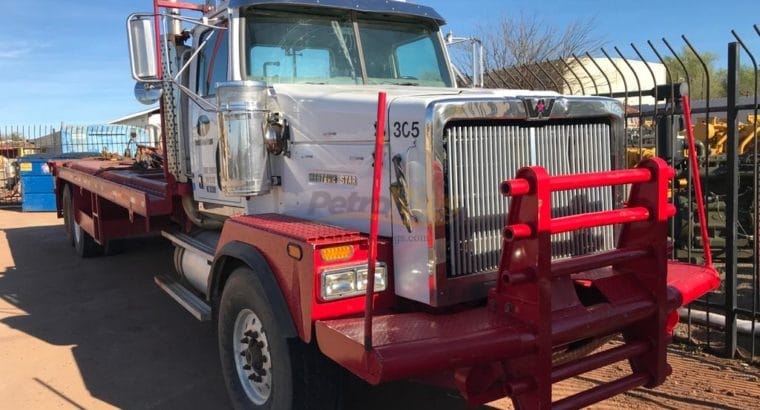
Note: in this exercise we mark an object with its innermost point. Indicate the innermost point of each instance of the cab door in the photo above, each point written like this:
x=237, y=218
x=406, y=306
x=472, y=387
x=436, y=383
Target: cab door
x=210, y=69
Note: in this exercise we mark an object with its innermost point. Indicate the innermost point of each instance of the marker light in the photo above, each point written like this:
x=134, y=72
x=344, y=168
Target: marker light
x=337, y=253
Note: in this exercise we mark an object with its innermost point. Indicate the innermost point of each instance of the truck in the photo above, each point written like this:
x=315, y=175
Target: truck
x=342, y=210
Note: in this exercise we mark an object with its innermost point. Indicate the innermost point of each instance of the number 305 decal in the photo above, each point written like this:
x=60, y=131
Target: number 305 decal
x=406, y=129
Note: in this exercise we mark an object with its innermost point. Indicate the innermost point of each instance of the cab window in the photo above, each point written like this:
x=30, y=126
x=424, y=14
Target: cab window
x=212, y=62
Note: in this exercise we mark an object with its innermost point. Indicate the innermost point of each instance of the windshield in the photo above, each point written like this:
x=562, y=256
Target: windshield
x=283, y=47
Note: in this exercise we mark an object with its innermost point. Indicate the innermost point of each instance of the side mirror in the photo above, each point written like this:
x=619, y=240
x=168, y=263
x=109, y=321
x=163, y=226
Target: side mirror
x=142, y=47
x=148, y=93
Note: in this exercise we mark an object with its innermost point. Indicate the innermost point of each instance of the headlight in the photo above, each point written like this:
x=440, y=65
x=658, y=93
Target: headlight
x=361, y=279
x=337, y=284
x=351, y=281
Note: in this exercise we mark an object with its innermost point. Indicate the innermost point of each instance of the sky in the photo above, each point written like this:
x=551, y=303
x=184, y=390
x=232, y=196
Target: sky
x=67, y=61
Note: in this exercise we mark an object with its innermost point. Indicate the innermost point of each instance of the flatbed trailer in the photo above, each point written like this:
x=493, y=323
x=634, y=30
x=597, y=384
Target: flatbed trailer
x=122, y=201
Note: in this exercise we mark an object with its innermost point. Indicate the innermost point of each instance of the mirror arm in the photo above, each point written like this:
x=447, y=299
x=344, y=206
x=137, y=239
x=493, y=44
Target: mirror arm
x=192, y=57
x=197, y=21
x=207, y=106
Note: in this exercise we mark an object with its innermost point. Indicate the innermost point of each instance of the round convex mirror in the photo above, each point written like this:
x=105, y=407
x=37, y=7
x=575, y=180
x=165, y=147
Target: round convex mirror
x=148, y=93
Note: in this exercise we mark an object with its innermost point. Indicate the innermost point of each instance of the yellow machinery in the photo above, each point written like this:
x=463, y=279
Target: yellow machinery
x=712, y=134
x=715, y=134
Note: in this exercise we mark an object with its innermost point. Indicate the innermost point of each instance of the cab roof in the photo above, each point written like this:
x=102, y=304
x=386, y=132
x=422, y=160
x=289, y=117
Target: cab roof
x=370, y=6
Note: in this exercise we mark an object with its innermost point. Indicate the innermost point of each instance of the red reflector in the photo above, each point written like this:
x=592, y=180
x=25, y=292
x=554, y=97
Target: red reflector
x=583, y=282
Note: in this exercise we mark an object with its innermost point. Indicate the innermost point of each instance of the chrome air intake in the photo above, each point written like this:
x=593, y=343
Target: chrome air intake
x=451, y=248
x=481, y=155
x=243, y=159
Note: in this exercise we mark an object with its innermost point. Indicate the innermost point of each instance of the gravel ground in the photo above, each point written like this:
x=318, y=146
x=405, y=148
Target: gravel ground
x=97, y=334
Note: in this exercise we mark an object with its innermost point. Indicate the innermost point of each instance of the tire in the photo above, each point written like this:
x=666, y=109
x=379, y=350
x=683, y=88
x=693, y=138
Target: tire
x=84, y=244
x=295, y=375
x=113, y=247
x=68, y=214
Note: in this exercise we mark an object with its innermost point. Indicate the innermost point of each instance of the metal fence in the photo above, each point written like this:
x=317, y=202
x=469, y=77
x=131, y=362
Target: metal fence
x=64, y=141
x=647, y=79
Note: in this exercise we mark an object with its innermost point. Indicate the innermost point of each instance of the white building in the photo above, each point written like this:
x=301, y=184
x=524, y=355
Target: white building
x=607, y=76
x=149, y=119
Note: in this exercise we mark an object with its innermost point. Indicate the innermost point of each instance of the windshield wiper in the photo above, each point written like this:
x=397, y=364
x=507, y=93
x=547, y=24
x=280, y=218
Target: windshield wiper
x=409, y=84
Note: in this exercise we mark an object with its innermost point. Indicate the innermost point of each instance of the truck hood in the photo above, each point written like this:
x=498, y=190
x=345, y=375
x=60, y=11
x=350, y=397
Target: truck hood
x=342, y=113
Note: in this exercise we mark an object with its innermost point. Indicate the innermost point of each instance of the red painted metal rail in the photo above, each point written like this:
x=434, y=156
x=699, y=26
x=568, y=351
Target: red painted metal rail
x=584, y=263
x=584, y=221
x=594, y=219
x=631, y=295
x=522, y=186
x=517, y=187
x=374, y=217
x=598, y=360
x=694, y=167
x=158, y=6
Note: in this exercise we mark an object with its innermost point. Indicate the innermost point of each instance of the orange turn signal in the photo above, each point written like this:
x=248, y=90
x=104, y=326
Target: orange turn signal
x=337, y=253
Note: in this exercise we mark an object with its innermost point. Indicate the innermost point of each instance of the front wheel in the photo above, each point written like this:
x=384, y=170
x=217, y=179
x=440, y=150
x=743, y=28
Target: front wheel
x=261, y=367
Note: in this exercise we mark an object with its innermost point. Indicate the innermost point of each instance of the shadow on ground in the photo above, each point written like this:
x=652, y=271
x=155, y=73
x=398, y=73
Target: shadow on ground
x=134, y=347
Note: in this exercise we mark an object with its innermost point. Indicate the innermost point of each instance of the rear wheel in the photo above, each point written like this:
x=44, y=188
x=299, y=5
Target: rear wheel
x=113, y=247
x=84, y=244
x=261, y=367
x=68, y=212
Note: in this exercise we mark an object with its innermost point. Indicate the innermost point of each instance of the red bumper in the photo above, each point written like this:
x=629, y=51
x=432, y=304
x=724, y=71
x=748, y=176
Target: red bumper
x=413, y=345
x=540, y=306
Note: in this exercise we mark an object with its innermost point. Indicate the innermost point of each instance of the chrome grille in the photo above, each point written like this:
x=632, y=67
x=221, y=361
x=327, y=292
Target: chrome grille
x=480, y=157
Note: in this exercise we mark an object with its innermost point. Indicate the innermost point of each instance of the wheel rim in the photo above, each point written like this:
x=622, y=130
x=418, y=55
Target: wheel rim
x=252, y=358
x=66, y=216
x=77, y=232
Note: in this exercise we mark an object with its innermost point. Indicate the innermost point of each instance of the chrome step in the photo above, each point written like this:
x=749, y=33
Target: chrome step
x=192, y=303
x=190, y=243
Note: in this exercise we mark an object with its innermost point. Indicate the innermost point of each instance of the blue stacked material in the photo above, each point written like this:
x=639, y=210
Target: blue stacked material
x=114, y=139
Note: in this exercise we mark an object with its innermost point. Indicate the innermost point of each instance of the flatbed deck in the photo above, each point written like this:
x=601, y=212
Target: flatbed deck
x=143, y=192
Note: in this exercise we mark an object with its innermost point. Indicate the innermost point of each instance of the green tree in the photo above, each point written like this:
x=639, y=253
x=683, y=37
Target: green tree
x=697, y=77
x=718, y=77
x=746, y=81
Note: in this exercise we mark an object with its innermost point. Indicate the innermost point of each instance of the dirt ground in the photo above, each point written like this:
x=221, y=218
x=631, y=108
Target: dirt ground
x=97, y=334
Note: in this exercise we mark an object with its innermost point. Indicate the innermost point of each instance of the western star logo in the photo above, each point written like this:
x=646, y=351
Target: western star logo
x=539, y=108
x=333, y=179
